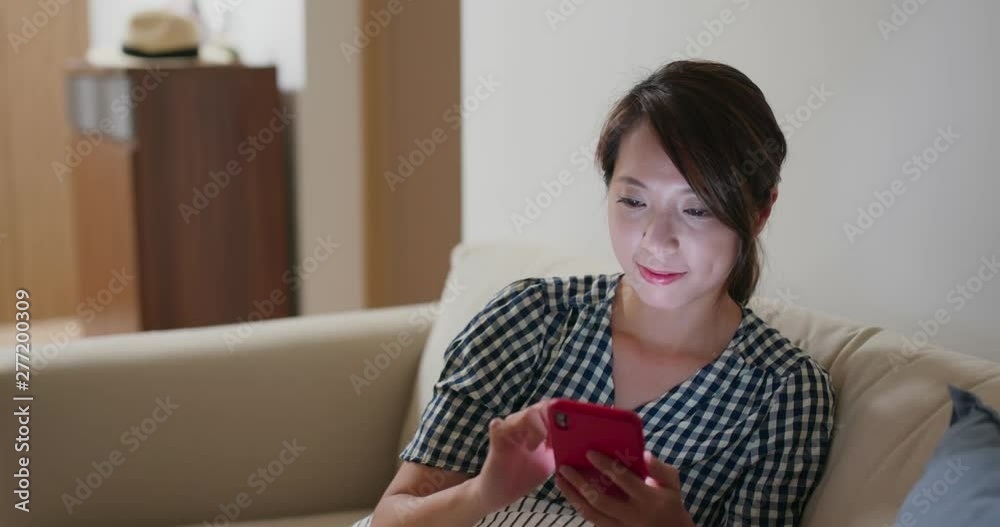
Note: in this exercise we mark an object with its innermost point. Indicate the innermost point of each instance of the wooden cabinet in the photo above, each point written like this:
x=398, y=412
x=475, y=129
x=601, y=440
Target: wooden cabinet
x=181, y=195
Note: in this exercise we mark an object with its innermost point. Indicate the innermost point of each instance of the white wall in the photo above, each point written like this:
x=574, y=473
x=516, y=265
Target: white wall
x=265, y=32
x=889, y=98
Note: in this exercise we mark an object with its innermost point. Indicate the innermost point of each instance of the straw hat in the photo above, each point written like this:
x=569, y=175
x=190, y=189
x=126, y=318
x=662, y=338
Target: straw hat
x=158, y=35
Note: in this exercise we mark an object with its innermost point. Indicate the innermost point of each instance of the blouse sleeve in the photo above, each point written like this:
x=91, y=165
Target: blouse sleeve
x=792, y=448
x=485, y=368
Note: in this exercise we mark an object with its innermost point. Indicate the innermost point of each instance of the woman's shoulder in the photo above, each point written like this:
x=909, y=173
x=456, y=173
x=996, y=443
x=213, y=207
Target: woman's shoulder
x=801, y=393
x=766, y=349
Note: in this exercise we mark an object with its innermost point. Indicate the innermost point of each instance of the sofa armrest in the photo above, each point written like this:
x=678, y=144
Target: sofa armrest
x=277, y=418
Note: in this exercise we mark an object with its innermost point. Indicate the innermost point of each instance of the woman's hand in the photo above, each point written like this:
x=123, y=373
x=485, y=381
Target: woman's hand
x=655, y=501
x=519, y=458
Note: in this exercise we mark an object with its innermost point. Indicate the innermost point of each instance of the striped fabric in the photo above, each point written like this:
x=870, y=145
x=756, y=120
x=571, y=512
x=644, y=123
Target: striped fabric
x=749, y=433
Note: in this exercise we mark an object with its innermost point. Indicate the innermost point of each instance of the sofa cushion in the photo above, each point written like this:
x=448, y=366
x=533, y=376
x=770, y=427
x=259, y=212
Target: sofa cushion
x=337, y=519
x=961, y=484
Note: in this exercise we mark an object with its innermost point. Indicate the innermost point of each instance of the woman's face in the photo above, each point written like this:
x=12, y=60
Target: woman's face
x=658, y=223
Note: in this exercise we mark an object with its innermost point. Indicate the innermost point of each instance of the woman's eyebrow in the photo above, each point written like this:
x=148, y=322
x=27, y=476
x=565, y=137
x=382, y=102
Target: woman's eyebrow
x=629, y=180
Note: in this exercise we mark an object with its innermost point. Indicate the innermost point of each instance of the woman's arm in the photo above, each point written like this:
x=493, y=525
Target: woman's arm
x=518, y=460
x=794, y=443
x=421, y=495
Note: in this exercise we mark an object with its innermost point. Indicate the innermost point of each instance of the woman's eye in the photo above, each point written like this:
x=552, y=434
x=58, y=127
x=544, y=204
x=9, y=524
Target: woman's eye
x=698, y=213
x=630, y=203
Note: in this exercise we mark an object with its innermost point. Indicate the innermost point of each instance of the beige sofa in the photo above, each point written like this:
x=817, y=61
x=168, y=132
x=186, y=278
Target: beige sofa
x=298, y=422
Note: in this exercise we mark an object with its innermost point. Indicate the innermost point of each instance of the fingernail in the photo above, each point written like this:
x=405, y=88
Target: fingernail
x=564, y=470
x=591, y=456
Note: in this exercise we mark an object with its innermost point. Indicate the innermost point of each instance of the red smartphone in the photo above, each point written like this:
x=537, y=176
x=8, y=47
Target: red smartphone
x=574, y=427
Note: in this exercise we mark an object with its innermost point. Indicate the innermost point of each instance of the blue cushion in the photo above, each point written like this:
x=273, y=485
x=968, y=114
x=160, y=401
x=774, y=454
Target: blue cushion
x=961, y=483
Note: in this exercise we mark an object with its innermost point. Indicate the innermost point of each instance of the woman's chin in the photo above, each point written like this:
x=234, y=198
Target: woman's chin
x=655, y=296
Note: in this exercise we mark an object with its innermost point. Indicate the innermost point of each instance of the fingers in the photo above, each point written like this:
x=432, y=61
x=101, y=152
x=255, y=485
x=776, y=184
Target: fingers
x=665, y=475
x=619, y=473
x=526, y=427
x=496, y=437
x=580, y=502
x=591, y=492
x=543, y=406
x=519, y=431
x=535, y=422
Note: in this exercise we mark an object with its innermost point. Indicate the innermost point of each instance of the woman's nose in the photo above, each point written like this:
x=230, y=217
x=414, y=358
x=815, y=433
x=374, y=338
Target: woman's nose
x=661, y=234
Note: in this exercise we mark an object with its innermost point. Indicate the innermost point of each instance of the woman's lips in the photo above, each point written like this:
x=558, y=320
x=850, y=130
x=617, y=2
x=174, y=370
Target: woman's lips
x=657, y=277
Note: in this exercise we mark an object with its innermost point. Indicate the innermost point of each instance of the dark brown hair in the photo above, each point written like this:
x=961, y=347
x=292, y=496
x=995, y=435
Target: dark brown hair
x=716, y=126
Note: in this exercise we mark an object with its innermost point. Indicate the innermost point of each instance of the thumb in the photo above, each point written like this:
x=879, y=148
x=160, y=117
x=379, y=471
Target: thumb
x=500, y=434
x=495, y=432
x=663, y=474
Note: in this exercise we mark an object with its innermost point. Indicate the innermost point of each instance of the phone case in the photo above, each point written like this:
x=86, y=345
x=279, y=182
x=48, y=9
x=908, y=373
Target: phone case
x=585, y=426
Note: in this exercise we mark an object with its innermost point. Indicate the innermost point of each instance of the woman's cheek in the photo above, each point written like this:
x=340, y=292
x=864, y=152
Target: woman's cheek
x=709, y=236
x=624, y=223
x=721, y=246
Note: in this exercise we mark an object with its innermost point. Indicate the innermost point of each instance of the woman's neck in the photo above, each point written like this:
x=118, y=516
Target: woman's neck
x=702, y=328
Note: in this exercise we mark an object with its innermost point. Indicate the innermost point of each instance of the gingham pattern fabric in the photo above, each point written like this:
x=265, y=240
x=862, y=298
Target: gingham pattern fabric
x=749, y=433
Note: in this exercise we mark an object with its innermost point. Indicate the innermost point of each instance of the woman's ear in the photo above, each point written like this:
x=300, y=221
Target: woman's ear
x=766, y=212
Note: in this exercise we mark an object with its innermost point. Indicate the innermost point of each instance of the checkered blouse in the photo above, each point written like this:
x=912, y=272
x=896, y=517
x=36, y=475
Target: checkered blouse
x=749, y=433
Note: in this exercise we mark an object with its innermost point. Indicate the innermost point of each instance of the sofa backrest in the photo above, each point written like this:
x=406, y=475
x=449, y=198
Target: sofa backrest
x=892, y=409
x=892, y=402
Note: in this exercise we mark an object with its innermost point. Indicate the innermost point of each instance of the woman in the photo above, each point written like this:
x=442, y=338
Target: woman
x=737, y=420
